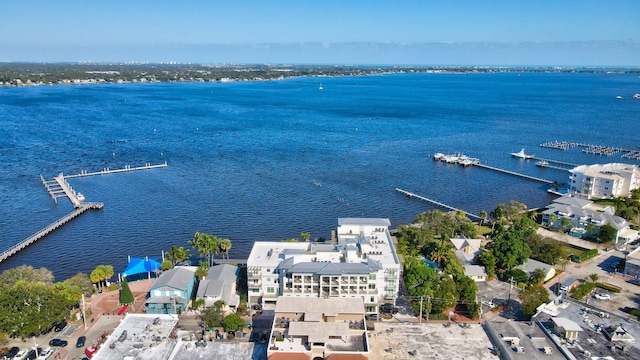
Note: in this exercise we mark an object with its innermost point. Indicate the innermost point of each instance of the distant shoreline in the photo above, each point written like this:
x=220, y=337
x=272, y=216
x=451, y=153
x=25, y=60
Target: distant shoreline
x=32, y=74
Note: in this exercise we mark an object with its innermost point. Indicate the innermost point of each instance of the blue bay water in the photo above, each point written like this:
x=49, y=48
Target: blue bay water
x=243, y=157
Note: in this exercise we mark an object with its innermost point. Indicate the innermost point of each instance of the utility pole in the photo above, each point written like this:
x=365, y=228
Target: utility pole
x=84, y=318
x=428, y=306
x=420, y=320
x=510, y=287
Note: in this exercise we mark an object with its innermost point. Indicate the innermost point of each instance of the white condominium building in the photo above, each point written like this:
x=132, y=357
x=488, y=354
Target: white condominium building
x=604, y=181
x=362, y=263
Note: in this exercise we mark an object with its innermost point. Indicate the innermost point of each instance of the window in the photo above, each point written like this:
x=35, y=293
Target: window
x=372, y=276
x=255, y=290
x=270, y=290
x=372, y=286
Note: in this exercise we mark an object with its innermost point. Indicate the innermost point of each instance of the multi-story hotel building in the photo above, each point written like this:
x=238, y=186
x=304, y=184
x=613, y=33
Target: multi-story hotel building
x=361, y=262
x=604, y=181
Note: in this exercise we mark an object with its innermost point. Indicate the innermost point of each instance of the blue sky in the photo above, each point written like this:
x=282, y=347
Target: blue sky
x=454, y=32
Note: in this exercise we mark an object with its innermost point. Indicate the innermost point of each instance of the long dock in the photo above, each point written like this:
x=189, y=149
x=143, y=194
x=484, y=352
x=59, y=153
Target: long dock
x=49, y=229
x=555, y=161
x=514, y=173
x=106, y=171
x=410, y=194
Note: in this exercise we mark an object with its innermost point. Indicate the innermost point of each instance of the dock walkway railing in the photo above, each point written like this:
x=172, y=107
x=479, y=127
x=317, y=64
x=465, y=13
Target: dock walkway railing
x=410, y=194
x=47, y=230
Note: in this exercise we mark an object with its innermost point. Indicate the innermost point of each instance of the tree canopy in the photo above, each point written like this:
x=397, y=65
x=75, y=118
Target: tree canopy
x=126, y=297
x=532, y=297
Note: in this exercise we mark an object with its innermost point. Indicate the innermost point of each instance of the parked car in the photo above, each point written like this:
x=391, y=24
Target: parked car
x=372, y=317
x=33, y=354
x=60, y=326
x=388, y=309
x=80, y=342
x=12, y=352
x=45, y=354
x=602, y=296
x=21, y=355
x=58, y=342
x=489, y=304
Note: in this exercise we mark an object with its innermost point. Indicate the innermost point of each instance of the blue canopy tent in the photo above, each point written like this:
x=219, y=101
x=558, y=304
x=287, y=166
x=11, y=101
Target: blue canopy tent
x=141, y=266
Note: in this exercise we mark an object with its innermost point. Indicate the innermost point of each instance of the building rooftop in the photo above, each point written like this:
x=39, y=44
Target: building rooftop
x=329, y=306
x=177, y=278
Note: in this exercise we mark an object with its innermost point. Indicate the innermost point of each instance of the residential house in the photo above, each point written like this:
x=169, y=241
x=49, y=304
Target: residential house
x=466, y=250
x=171, y=292
x=220, y=284
x=531, y=265
x=312, y=328
x=361, y=263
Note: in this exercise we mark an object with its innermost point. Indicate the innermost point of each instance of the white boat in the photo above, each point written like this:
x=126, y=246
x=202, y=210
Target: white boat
x=438, y=156
x=320, y=88
x=542, y=163
x=636, y=96
x=618, y=97
x=521, y=155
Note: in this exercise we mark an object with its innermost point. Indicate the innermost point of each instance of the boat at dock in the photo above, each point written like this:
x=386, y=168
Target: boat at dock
x=542, y=163
x=521, y=155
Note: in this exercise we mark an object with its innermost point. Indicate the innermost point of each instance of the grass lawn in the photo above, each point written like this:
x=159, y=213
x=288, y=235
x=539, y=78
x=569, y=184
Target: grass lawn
x=573, y=250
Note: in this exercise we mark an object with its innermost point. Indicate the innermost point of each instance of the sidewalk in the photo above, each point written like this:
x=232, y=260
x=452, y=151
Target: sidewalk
x=567, y=239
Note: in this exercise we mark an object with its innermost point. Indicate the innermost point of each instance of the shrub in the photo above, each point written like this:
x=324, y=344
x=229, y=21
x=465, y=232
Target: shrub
x=586, y=255
x=608, y=287
x=582, y=290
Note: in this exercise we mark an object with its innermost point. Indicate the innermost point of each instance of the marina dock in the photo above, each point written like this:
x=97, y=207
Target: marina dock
x=593, y=149
x=410, y=194
x=49, y=229
x=514, y=173
x=555, y=162
x=58, y=187
x=106, y=171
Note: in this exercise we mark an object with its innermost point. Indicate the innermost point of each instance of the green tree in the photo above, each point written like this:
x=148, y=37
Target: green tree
x=82, y=282
x=532, y=297
x=206, y=244
x=126, y=297
x=232, y=322
x=467, y=290
x=178, y=255
x=565, y=222
x=487, y=260
x=517, y=275
x=444, y=294
x=225, y=246
x=537, y=277
x=305, y=236
x=26, y=273
x=509, y=250
x=166, y=265
x=483, y=216
x=202, y=270
x=101, y=274
x=594, y=277
x=212, y=317
x=606, y=234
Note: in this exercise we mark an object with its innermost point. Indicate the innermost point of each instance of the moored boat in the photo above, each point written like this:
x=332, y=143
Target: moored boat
x=521, y=155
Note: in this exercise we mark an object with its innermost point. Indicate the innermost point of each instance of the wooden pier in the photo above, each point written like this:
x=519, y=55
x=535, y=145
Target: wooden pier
x=106, y=171
x=515, y=173
x=47, y=230
x=555, y=162
x=410, y=194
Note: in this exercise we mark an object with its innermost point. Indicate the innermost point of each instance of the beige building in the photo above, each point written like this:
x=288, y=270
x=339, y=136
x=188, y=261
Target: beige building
x=604, y=181
x=568, y=328
x=313, y=328
x=362, y=263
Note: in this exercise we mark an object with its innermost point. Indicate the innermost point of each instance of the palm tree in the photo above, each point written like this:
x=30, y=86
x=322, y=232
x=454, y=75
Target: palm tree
x=207, y=245
x=483, y=216
x=594, y=277
x=305, y=236
x=225, y=246
x=178, y=254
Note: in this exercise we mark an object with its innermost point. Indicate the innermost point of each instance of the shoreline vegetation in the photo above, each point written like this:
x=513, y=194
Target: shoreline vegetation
x=37, y=74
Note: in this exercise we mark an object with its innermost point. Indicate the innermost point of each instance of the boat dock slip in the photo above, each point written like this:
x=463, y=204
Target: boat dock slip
x=47, y=230
x=410, y=194
x=514, y=173
x=106, y=171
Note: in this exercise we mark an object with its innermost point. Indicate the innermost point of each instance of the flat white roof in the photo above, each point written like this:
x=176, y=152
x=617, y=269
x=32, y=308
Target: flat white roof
x=330, y=306
x=566, y=324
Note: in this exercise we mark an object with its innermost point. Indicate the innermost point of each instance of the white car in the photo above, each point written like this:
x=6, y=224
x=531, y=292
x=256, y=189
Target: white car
x=489, y=304
x=45, y=354
x=602, y=296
